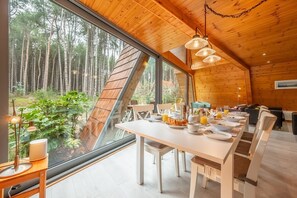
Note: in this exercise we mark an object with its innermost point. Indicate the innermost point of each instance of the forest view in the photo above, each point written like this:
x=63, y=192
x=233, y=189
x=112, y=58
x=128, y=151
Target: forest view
x=59, y=65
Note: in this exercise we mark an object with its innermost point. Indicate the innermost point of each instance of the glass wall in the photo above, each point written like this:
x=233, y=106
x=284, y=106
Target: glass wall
x=59, y=65
x=145, y=90
x=174, y=85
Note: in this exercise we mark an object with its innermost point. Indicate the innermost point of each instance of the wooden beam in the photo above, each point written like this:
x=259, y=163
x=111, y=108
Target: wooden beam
x=221, y=50
x=176, y=61
x=248, y=87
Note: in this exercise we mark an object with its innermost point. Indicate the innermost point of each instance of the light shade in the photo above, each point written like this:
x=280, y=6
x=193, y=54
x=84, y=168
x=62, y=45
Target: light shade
x=206, y=51
x=196, y=43
x=212, y=59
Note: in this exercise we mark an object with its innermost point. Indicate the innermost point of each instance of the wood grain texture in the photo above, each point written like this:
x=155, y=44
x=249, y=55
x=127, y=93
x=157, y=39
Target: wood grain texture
x=263, y=78
x=219, y=85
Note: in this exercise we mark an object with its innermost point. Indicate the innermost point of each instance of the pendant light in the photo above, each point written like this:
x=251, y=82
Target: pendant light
x=196, y=42
x=212, y=59
x=207, y=51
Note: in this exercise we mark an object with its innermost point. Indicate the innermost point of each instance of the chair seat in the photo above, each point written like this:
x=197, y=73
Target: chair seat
x=241, y=165
x=155, y=144
x=247, y=136
x=243, y=148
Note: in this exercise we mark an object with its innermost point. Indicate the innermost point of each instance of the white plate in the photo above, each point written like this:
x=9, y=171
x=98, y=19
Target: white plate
x=177, y=127
x=234, y=118
x=156, y=117
x=221, y=127
x=239, y=113
x=220, y=136
x=229, y=124
x=153, y=120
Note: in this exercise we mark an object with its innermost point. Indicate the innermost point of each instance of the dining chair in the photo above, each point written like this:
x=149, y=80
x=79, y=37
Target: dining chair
x=142, y=112
x=245, y=169
x=248, y=136
x=246, y=148
x=161, y=108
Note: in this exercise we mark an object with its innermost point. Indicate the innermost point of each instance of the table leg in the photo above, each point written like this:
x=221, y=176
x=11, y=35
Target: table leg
x=140, y=159
x=42, y=184
x=227, y=177
x=2, y=193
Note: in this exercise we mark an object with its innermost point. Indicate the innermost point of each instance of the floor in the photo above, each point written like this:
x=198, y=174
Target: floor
x=115, y=176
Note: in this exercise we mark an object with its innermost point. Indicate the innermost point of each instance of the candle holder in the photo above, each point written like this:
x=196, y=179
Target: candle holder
x=18, y=126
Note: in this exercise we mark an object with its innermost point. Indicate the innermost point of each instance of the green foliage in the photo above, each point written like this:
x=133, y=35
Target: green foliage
x=58, y=119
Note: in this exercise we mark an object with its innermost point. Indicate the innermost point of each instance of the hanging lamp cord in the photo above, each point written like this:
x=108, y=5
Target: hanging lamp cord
x=233, y=15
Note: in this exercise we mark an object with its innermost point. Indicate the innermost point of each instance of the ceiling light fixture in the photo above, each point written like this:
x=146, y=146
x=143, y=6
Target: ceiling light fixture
x=212, y=59
x=207, y=51
x=196, y=42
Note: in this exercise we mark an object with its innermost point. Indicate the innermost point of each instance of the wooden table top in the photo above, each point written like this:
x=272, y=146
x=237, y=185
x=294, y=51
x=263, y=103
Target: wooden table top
x=201, y=145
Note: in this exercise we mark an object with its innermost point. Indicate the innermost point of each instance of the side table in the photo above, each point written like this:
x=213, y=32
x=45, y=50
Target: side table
x=38, y=170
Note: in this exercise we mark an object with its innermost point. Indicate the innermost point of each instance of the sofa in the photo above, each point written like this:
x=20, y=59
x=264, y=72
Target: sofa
x=253, y=110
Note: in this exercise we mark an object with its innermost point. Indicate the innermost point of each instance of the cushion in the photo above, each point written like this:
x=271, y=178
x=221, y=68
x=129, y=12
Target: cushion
x=243, y=148
x=241, y=165
x=247, y=136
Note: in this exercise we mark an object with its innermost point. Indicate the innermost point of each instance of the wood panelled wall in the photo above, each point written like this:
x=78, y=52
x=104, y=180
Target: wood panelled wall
x=263, y=77
x=219, y=85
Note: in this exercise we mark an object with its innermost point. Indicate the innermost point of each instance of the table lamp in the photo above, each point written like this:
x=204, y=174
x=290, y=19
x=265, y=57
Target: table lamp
x=18, y=126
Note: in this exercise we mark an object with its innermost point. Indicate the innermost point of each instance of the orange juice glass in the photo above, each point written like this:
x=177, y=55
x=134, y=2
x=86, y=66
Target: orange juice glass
x=219, y=115
x=203, y=120
x=226, y=111
x=164, y=117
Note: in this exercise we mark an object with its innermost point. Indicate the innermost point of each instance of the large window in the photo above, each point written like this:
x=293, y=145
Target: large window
x=174, y=85
x=145, y=90
x=59, y=65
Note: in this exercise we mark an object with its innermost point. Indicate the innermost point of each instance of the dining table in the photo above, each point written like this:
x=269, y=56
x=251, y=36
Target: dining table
x=201, y=145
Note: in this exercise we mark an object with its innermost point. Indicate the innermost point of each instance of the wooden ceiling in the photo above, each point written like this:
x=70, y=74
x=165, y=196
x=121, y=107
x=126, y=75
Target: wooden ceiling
x=163, y=25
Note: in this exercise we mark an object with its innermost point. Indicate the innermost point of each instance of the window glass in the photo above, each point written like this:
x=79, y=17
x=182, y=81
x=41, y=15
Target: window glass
x=173, y=85
x=145, y=90
x=59, y=68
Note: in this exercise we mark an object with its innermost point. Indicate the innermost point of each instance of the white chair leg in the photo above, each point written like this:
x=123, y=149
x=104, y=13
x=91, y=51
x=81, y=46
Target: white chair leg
x=204, y=181
x=249, y=191
x=184, y=161
x=159, y=171
x=176, y=157
x=194, y=172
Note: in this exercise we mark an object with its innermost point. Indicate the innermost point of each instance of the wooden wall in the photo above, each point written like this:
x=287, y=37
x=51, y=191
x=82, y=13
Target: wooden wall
x=263, y=77
x=219, y=85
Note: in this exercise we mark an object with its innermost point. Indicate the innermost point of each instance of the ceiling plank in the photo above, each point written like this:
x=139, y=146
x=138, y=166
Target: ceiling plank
x=222, y=50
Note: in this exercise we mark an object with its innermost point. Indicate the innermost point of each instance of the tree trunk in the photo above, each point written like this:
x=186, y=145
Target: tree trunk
x=22, y=60
x=46, y=64
x=25, y=77
x=39, y=69
x=60, y=71
x=85, y=79
x=53, y=71
x=34, y=75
